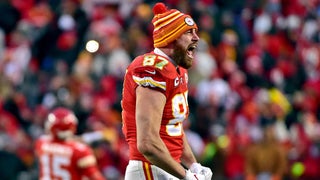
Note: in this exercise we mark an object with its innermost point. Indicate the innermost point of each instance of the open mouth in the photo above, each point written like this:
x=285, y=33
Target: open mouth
x=190, y=50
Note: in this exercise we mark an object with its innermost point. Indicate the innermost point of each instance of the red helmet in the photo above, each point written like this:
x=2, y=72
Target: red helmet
x=61, y=123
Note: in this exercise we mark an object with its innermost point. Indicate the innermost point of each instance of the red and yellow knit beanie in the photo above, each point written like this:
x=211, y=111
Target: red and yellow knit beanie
x=169, y=25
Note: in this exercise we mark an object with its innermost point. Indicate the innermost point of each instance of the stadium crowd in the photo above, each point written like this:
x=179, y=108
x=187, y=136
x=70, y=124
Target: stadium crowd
x=254, y=88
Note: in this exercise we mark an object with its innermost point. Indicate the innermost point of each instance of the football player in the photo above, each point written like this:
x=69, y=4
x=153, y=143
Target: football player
x=60, y=155
x=154, y=103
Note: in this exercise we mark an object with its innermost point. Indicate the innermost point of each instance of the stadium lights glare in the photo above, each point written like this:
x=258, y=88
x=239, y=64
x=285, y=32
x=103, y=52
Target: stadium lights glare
x=92, y=46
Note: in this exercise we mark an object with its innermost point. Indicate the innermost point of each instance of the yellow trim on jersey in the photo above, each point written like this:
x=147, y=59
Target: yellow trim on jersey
x=86, y=161
x=148, y=81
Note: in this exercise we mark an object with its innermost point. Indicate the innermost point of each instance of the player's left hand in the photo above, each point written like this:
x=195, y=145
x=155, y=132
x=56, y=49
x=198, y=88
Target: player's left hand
x=198, y=169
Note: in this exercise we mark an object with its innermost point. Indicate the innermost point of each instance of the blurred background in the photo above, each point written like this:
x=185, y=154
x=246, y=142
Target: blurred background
x=254, y=88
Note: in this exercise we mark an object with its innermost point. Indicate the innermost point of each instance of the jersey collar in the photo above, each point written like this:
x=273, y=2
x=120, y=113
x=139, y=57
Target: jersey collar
x=161, y=53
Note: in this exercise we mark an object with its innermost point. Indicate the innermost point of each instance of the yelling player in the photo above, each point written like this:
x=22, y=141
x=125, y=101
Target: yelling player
x=155, y=102
x=60, y=155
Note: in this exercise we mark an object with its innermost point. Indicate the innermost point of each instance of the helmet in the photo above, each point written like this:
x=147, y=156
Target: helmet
x=61, y=123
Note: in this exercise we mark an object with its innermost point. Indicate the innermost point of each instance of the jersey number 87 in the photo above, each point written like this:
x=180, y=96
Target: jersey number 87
x=180, y=108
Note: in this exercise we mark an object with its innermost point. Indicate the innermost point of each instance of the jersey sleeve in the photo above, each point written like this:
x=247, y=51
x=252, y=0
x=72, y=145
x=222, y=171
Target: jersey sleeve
x=85, y=160
x=37, y=145
x=150, y=77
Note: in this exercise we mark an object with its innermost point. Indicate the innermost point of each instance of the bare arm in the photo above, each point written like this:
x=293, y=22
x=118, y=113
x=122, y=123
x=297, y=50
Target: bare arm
x=187, y=157
x=149, y=109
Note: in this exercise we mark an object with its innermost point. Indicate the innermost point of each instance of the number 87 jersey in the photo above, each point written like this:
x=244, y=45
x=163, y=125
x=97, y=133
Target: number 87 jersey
x=161, y=74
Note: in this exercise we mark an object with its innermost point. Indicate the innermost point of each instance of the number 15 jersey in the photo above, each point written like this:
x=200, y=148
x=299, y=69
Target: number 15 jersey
x=65, y=160
x=161, y=74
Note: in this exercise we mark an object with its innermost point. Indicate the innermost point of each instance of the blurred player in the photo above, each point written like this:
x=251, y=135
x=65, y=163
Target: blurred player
x=60, y=155
x=155, y=102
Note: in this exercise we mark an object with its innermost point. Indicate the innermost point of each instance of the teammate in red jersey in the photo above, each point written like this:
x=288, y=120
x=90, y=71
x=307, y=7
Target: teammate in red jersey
x=155, y=102
x=60, y=155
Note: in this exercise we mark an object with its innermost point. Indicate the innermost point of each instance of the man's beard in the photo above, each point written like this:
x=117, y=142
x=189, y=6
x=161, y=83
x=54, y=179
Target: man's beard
x=180, y=57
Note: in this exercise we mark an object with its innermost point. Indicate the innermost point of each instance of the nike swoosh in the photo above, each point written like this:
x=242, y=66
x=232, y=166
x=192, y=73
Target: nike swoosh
x=151, y=72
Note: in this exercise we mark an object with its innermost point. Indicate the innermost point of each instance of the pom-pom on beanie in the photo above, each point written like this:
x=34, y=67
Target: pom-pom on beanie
x=169, y=25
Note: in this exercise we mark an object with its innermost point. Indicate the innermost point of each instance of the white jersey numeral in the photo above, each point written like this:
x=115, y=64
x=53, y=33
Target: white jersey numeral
x=56, y=162
x=180, y=110
x=151, y=59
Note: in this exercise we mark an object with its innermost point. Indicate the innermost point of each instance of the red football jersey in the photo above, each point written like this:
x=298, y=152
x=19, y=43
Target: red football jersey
x=62, y=160
x=159, y=73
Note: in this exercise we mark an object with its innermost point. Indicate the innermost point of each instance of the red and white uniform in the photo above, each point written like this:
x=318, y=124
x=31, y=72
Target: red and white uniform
x=64, y=160
x=157, y=72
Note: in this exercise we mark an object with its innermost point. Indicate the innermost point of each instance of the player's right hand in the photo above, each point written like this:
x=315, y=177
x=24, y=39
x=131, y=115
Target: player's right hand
x=199, y=169
x=193, y=176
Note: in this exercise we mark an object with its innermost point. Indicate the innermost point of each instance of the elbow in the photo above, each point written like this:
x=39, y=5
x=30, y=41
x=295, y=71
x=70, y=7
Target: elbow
x=145, y=147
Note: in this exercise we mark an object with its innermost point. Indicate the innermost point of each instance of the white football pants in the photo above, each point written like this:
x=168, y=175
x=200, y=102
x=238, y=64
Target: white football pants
x=138, y=170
